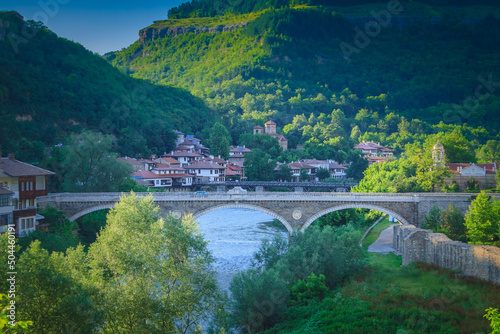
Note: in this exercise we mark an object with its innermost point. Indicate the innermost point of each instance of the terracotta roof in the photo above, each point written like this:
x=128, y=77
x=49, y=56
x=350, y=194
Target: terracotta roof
x=335, y=164
x=204, y=165
x=183, y=154
x=4, y=191
x=270, y=123
x=314, y=161
x=258, y=127
x=12, y=167
x=168, y=161
x=167, y=167
x=236, y=155
x=232, y=172
x=299, y=165
x=145, y=174
x=240, y=149
x=491, y=168
x=136, y=162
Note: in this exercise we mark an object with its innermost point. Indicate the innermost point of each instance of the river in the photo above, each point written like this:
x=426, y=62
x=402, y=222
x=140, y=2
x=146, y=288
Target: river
x=234, y=235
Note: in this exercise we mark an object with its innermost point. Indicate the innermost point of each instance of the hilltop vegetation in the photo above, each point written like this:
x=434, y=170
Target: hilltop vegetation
x=51, y=87
x=329, y=83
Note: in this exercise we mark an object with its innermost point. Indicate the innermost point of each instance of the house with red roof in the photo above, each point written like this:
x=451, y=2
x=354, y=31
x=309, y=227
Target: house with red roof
x=233, y=172
x=373, y=149
x=484, y=174
x=26, y=182
x=138, y=164
x=270, y=130
x=237, y=155
x=158, y=179
x=206, y=170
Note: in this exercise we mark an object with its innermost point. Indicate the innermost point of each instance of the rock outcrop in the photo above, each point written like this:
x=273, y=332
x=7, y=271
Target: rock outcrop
x=154, y=33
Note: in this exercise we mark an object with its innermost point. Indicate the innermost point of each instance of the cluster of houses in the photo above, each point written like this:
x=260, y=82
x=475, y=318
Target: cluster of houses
x=191, y=162
x=22, y=183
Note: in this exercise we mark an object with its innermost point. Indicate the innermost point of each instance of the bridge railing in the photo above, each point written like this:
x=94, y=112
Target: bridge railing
x=253, y=196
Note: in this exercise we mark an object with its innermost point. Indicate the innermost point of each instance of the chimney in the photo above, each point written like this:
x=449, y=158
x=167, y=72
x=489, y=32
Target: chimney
x=12, y=156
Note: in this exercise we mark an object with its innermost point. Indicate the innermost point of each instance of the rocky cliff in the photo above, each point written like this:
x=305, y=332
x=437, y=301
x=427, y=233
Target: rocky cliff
x=152, y=33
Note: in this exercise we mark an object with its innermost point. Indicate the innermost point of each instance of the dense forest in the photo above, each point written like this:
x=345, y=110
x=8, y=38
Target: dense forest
x=333, y=76
x=51, y=87
x=210, y=8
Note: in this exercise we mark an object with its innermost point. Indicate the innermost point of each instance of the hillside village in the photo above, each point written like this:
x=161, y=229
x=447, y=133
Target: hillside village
x=191, y=161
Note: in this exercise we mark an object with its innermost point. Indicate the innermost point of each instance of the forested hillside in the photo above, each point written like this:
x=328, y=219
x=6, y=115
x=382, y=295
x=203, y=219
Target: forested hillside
x=51, y=87
x=308, y=60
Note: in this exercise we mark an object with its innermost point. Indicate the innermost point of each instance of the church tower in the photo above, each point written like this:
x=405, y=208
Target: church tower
x=438, y=155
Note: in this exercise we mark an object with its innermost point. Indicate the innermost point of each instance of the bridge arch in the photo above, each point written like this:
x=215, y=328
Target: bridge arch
x=245, y=206
x=91, y=209
x=355, y=206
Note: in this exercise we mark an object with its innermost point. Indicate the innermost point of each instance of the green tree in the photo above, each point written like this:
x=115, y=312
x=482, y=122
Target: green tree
x=489, y=152
x=62, y=233
x=258, y=299
x=312, y=288
x=268, y=144
x=433, y=219
x=284, y=173
x=472, y=185
x=153, y=275
x=482, y=220
x=322, y=173
x=304, y=175
x=497, y=179
x=6, y=324
x=219, y=141
x=458, y=148
x=453, y=187
x=453, y=223
x=63, y=305
x=91, y=166
x=259, y=166
x=493, y=316
x=357, y=166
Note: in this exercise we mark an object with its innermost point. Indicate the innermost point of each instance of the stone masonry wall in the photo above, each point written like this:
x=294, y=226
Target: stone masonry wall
x=416, y=244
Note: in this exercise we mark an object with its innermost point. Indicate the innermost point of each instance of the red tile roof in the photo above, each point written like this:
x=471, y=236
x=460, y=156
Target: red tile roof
x=491, y=168
x=4, y=191
x=12, y=167
x=204, y=165
x=145, y=174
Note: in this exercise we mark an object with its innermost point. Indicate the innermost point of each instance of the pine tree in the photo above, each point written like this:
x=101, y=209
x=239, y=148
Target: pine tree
x=483, y=219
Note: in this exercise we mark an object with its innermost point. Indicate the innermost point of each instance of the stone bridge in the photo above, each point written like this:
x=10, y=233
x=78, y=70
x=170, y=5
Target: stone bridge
x=294, y=210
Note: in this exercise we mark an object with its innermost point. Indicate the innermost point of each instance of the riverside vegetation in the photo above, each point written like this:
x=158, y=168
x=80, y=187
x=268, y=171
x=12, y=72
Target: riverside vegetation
x=155, y=272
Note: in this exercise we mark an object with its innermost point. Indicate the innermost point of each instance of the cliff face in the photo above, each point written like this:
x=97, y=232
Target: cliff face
x=153, y=33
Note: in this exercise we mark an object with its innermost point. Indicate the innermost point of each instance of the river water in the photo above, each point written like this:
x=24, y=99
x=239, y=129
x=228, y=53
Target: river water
x=234, y=235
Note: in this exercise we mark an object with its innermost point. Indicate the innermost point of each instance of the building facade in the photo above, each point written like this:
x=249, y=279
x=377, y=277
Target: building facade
x=27, y=182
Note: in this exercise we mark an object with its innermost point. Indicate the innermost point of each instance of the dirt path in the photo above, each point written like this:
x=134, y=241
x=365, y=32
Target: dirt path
x=384, y=242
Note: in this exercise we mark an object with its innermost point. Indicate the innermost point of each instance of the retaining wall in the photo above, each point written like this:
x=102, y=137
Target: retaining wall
x=416, y=244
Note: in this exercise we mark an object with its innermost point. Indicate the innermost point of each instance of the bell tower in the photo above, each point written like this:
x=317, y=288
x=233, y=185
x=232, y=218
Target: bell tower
x=438, y=155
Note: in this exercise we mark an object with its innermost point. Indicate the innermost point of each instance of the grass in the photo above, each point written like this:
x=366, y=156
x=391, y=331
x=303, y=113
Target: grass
x=388, y=298
x=375, y=232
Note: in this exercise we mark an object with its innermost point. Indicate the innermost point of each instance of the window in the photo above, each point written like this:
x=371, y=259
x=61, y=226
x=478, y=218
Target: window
x=22, y=186
x=23, y=223
x=31, y=186
x=4, y=220
x=32, y=202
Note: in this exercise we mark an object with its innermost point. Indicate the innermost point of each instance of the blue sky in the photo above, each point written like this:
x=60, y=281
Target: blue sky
x=99, y=25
